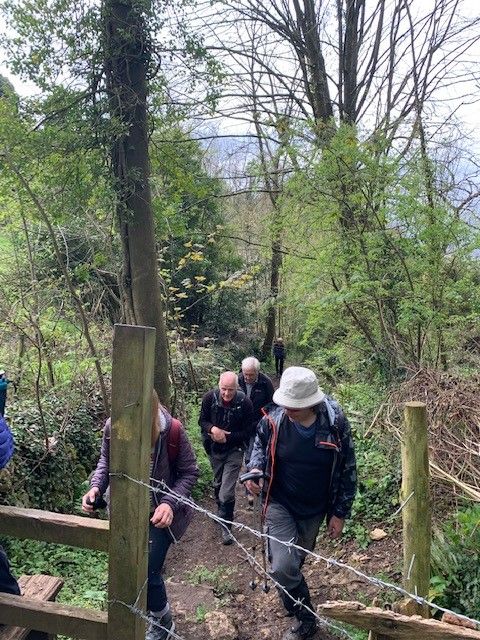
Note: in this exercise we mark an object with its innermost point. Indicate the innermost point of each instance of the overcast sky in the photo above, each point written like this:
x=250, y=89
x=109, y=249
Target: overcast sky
x=466, y=110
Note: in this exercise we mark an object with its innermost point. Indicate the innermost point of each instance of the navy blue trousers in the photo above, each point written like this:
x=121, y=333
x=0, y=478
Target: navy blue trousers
x=8, y=584
x=3, y=400
x=158, y=542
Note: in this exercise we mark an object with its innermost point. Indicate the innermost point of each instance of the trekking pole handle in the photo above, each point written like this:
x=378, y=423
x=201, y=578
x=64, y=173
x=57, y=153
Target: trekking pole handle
x=98, y=503
x=256, y=476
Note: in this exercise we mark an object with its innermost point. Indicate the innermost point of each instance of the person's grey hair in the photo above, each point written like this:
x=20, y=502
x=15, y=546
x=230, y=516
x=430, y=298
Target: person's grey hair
x=230, y=373
x=251, y=363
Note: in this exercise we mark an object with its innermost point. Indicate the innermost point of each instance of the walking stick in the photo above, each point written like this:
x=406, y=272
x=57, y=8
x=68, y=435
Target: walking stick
x=258, y=523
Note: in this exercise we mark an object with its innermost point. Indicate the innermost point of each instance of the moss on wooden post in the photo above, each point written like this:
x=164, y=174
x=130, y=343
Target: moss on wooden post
x=415, y=495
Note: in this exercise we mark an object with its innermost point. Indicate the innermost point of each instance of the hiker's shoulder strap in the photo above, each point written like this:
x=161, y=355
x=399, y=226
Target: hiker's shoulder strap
x=173, y=441
x=240, y=397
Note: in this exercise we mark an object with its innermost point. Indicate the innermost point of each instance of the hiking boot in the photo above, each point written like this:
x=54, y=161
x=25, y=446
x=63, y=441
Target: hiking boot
x=227, y=537
x=225, y=511
x=301, y=631
x=160, y=628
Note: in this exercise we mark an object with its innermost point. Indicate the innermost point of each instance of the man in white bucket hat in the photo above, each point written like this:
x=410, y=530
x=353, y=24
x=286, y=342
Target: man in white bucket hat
x=305, y=450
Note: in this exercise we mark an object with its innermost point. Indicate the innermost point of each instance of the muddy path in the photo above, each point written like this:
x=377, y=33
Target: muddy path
x=203, y=575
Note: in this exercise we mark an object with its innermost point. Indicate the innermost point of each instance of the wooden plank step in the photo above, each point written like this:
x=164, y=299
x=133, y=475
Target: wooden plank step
x=38, y=587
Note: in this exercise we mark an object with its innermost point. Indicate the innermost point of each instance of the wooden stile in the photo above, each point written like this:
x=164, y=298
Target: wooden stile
x=132, y=383
x=60, y=528
x=52, y=617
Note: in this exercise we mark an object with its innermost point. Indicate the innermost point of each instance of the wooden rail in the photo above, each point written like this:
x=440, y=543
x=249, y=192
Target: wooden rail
x=394, y=625
x=60, y=528
x=52, y=617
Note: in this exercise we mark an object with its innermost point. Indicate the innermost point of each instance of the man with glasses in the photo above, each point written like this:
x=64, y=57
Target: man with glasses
x=305, y=451
x=226, y=418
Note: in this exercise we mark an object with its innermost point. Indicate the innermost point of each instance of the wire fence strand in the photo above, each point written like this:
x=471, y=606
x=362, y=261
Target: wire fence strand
x=330, y=561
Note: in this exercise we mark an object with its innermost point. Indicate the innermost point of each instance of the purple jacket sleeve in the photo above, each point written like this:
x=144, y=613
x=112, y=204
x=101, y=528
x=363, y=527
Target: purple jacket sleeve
x=185, y=474
x=100, y=477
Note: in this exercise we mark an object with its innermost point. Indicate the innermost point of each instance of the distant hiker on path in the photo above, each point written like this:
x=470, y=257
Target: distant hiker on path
x=169, y=518
x=279, y=355
x=8, y=584
x=259, y=389
x=226, y=418
x=305, y=449
x=4, y=382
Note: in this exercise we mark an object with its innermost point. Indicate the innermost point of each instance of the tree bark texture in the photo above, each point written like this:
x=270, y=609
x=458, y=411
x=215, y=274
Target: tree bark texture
x=127, y=61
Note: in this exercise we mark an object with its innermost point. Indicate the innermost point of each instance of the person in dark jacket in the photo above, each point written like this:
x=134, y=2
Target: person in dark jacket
x=226, y=418
x=169, y=517
x=279, y=355
x=259, y=388
x=8, y=583
x=305, y=450
x=4, y=382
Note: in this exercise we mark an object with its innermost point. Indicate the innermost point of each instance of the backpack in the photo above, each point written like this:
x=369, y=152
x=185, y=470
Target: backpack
x=173, y=441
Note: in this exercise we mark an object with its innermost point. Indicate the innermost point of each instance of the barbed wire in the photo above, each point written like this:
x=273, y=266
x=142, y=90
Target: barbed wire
x=330, y=561
x=140, y=613
x=323, y=622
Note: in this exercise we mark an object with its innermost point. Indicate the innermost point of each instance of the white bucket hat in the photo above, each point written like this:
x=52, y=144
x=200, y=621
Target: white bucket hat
x=298, y=389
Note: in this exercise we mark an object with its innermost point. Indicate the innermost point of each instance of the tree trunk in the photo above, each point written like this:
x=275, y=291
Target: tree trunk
x=127, y=60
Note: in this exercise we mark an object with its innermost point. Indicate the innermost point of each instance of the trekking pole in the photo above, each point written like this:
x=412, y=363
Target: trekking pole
x=257, y=521
x=256, y=512
x=266, y=586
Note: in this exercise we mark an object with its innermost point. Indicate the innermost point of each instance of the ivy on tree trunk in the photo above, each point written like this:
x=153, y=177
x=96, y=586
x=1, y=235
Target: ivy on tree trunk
x=127, y=61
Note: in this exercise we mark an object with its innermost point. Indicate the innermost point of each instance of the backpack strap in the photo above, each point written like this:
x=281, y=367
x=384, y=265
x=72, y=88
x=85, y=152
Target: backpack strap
x=173, y=441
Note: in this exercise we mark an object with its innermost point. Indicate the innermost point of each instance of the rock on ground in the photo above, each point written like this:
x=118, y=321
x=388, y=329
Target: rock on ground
x=220, y=627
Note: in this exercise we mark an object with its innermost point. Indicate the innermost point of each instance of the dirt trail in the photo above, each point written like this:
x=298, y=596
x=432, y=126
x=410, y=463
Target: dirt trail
x=203, y=575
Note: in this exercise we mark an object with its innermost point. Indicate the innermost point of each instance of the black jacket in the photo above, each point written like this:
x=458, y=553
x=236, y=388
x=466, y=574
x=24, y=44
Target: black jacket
x=338, y=438
x=236, y=418
x=279, y=350
x=260, y=396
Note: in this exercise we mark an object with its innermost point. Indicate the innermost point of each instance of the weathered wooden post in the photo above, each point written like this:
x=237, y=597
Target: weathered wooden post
x=415, y=496
x=416, y=512
x=132, y=383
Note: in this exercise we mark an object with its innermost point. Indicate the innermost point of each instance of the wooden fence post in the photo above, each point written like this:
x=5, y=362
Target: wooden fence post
x=132, y=383
x=415, y=496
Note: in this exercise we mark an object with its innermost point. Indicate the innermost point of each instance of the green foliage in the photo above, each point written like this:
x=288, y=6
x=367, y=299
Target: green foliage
x=85, y=572
x=204, y=282
x=455, y=582
x=392, y=282
x=218, y=578
x=51, y=479
x=200, y=613
x=204, y=483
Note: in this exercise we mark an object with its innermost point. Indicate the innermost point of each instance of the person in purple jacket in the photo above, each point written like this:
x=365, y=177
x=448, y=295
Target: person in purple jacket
x=169, y=517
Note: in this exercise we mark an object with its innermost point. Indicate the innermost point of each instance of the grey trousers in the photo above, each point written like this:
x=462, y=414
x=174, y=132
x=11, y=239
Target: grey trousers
x=286, y=562
x=226, y=469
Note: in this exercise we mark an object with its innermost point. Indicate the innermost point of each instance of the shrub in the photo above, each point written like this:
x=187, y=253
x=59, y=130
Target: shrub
x=51, y=479
x=455, y=582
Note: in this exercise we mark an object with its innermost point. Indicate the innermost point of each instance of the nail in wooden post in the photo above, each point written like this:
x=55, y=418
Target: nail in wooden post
x=132, y=383
x=417, y=510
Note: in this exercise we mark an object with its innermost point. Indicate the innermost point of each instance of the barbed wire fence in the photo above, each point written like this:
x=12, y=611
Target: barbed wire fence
x=163, y=489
